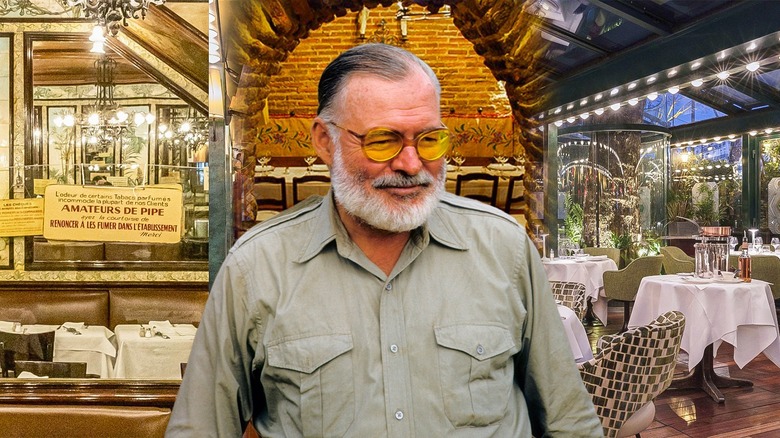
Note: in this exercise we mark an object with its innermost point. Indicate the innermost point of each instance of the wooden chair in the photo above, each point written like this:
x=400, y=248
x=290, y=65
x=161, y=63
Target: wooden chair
x=622, y=285
x=571, y=294
x=676, y=260
x=306, y=179
x=25, y=346
x=472, y=179
x=278, y=203
x=70, y=370
x=631, y=369
x=515, y=194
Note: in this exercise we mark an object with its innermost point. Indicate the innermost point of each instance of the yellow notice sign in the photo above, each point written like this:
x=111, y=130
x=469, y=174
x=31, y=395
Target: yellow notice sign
x=113, y=214
x=21, y=217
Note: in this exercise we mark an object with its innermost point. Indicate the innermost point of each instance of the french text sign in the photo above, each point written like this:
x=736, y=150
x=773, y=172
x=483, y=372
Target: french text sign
x=113, y=214
x=21, y=217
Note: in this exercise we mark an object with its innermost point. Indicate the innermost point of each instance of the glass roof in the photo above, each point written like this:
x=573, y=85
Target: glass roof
x=586, y=37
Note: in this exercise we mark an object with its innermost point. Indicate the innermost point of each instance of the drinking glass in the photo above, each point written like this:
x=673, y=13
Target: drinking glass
x=263, y=161
x=458, y=159
x=758, y=242
x=733, y=242
x=310, y=159
x=775, y=244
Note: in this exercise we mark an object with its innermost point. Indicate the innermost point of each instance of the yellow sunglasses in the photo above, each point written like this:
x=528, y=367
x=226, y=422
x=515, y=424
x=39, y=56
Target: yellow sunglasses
x=383, y=144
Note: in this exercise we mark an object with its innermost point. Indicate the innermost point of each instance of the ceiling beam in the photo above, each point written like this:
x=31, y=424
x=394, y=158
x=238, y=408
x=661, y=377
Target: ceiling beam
x=754, y=120
x=644, y=19
x=572, y=38
x=742, y=22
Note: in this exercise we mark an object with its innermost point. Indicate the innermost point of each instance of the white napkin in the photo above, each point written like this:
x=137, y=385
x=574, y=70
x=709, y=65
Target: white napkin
x=29, y=375
x=185, y=329
x=73, y=325
x=159, y=324
x=6, y=326
x=164, y=327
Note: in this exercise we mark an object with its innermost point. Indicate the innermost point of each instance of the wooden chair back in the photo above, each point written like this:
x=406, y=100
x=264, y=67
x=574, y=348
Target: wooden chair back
x=471, y=179
x=515, y=194
x=25, y=346
x=306, y=179
x=71, y=370
x=277, y=203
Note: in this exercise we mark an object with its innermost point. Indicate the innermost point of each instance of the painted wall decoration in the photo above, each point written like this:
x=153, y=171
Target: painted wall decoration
x=483, y=136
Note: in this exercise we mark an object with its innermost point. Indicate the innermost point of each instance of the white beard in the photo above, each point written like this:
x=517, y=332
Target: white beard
x=372, y=208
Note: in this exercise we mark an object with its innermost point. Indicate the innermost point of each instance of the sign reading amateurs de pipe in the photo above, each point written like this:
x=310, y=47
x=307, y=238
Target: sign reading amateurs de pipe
x=151, y=214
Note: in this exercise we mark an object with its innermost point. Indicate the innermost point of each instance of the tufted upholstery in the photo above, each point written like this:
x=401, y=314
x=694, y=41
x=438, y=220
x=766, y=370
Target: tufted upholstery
x=676, y=260
x=631, y=369
x=35, y=306
x=139, y=306
x=570, y=294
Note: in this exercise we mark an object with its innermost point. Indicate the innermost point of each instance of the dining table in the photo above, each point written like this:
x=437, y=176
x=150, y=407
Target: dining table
x=717, y=310
x=587, y=270
x=77, y=342
x=576, y=334
x=157, y=354
x=502, y=170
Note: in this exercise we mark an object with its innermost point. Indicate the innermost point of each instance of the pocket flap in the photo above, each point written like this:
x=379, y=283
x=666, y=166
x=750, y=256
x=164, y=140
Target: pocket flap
x=308, y=354
x=478, y=341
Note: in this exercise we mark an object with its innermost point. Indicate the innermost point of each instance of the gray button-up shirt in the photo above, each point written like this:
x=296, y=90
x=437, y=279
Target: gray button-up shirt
x=305, y=336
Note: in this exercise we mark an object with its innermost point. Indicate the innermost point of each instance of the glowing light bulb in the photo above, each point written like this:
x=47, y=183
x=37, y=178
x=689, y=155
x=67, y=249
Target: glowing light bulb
x=615, y=106
x=753, y=66
x=674, y=90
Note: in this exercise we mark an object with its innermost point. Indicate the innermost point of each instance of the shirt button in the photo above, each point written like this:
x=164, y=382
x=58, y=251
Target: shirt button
x=394, y=348
x=388, y=287
x=399, y=415
x=480, y=350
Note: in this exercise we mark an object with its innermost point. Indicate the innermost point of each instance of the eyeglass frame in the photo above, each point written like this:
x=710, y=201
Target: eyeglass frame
x=416, y=140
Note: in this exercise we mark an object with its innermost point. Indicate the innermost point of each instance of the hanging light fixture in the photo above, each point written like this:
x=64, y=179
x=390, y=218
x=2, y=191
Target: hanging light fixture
x=107, y=121
x=110, y=13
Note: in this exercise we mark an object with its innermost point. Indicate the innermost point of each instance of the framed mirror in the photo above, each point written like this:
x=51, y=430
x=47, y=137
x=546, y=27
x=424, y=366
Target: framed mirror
x=112, y=120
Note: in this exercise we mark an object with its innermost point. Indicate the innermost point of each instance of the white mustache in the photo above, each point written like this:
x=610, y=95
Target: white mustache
x=400, y=180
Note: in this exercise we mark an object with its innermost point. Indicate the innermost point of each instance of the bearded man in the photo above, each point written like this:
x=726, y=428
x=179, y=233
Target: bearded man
x=388, y=307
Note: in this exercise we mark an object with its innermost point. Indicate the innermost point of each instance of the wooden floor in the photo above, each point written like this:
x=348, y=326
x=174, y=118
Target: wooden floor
x=747, y=412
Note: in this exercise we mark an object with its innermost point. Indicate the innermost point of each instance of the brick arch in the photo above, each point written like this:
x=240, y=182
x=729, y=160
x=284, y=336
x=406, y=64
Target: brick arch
x=263, y=34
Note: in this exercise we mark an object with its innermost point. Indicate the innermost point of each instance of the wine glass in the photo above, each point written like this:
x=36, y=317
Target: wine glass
x=309, y=159
x=775, y=244
x=733, y=242
x=458, y=159
x=263, y=160
x=758, y=242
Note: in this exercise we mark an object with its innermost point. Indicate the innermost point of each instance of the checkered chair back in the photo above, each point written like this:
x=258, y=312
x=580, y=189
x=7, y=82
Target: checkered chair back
x=571, y=295
x=629, y=370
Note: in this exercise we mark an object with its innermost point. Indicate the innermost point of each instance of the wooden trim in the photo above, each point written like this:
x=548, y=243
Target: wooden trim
x=27, y=285
x=160, y=393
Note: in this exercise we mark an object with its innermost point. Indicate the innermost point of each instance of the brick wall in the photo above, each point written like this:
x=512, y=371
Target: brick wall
x=466, y=83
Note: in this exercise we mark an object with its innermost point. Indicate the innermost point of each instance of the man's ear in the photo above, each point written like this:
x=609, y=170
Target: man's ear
x=320, y=139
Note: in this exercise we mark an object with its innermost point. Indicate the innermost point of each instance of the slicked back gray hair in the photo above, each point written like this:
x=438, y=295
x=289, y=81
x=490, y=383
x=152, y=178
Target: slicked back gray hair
x=380, y=60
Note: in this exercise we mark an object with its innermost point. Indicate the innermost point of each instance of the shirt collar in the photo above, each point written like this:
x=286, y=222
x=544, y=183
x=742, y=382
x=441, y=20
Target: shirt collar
x=327, y=227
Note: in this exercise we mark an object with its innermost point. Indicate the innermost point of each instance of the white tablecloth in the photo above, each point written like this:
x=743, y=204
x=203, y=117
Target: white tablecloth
x=588, y=271
x=575, y=332
x=93, y=346
x=483, y=187
x=155, y=357
x=742, y=314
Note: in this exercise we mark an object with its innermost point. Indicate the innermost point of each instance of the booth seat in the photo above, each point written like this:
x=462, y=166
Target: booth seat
x=82, y=421
x=103, y=305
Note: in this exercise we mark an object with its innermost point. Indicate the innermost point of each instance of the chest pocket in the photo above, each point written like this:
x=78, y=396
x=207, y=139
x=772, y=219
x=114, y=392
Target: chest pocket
x=318, y=371
x=476, y=371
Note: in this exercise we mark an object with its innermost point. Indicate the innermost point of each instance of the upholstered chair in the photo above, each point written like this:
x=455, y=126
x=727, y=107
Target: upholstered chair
x=613, y=253
x=622, y=285
x=676, y=260
x=631, y=369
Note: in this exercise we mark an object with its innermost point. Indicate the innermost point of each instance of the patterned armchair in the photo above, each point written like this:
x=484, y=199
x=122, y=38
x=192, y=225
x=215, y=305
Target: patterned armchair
x=676, y=260
x=571, y=295
x=631, y=369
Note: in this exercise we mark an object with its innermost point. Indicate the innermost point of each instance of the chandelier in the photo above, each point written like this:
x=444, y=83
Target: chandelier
x=106, y=121
x=110, y=13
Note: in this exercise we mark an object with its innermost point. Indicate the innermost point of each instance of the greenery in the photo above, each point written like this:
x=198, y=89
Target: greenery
x=573, y=223
x=704, y=211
